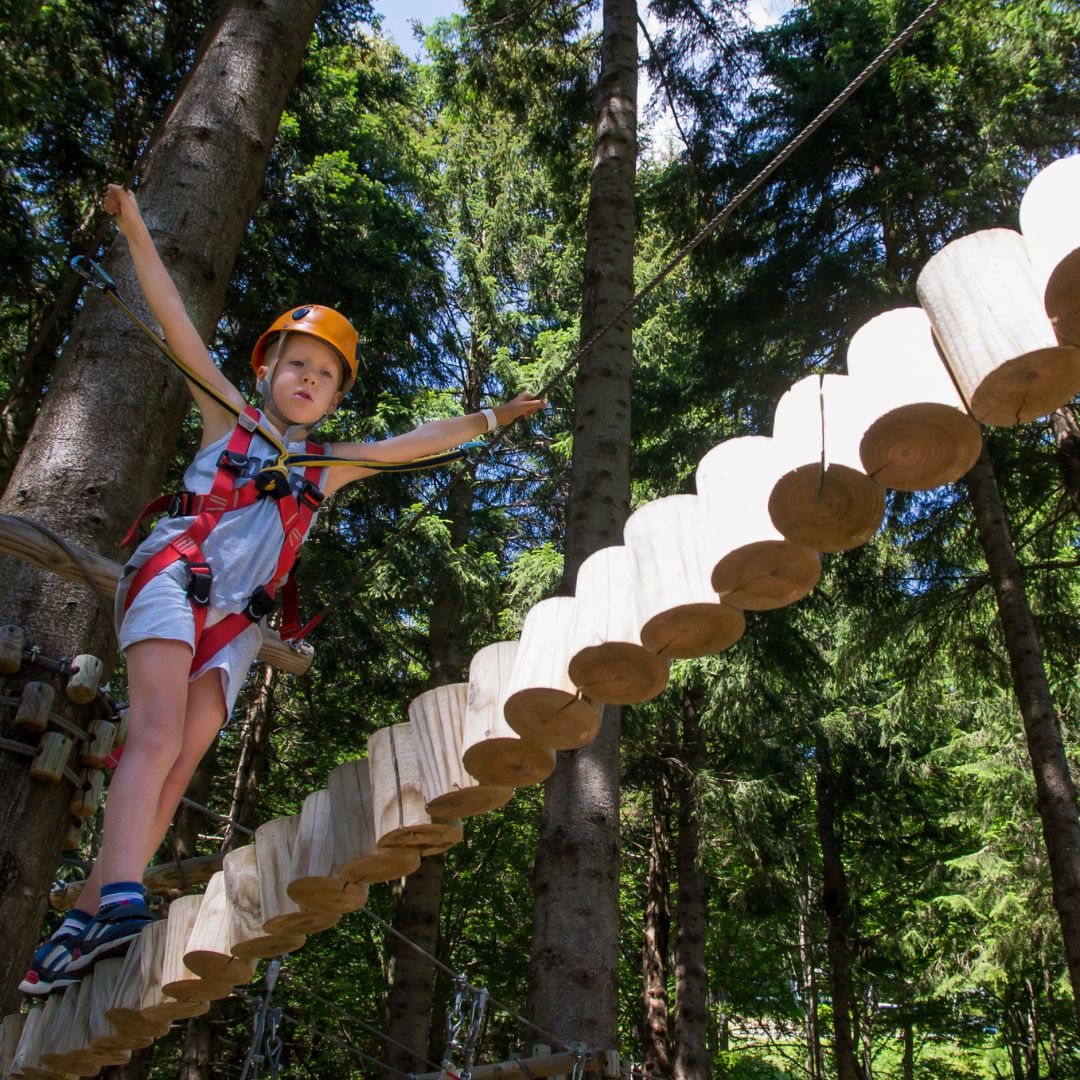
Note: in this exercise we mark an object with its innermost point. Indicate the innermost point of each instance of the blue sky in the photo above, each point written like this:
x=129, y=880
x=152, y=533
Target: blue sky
x=397, y=13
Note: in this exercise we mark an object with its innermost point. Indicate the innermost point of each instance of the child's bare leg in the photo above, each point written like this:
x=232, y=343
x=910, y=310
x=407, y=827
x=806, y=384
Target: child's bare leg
x=205, y=715
x=158, y=694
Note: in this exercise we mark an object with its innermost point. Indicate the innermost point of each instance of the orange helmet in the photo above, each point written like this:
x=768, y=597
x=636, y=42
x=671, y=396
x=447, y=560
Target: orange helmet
x=322, y=322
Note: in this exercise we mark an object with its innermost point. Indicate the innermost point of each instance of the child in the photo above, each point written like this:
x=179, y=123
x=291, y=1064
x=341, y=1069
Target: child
x=175, y=595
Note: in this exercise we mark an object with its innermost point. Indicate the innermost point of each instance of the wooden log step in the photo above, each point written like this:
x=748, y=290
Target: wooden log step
x=608, y=662
x=92, y=754
x=34, y=705
x=12, y=643
x=26, y=1060
x=754, y=567
x=491, y=749
x=679, y=614
x=1050, y=223
x=83, y=682
x=159, y=878
x=54, y=750
x=21, y=540
x=208, y=952
x=64, y=1048
x=542, y=703
x=917, y=431
x=87, y=797
x=357, y=856
x=401, y=819
x=981, y=297
x=312, y=882
x=274, y=842
x=10, y=1032
x=249, y=941
x=104, y=1035
x=438, y=725
x=823, y=500
x=124, y=1012
x=177, y=979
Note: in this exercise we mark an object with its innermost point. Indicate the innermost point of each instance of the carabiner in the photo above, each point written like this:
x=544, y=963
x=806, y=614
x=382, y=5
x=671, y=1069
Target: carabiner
x=96, y=274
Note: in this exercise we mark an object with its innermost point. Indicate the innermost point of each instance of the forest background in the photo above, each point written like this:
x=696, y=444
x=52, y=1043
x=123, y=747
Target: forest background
x=870, y=731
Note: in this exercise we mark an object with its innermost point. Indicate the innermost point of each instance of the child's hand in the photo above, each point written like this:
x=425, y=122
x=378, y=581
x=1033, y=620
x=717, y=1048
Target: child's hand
x=525, y=404
x=121, y=204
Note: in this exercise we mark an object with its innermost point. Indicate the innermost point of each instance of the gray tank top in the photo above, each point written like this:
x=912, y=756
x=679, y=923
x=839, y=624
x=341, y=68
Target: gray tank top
x=243, y=548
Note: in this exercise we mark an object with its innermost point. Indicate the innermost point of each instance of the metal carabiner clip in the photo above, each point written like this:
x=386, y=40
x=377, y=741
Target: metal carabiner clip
x=93, y=272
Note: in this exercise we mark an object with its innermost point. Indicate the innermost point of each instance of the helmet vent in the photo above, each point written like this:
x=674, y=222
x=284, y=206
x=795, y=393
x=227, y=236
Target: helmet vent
x=300, y=313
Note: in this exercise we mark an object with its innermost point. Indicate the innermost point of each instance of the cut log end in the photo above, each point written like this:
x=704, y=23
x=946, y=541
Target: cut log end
x=550, y=717
x=509, y=762
x=1063, y=298
x=692, y=630
x=920, y=447
x=830, y=510
x=388, y=865
x=619, y=673
x=297, y=924
x=194, y=990
x=267, y=945
x=328, y=895
x=1030, y=386
x=766, y=575
x=467, y=802
x=426, y=835
x=219, y=967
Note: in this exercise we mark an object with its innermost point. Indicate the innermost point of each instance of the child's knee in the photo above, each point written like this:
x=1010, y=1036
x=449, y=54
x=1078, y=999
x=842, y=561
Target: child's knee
x=157, y=735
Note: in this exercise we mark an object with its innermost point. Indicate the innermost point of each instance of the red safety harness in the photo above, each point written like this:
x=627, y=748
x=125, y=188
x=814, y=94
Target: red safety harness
x=296, y=510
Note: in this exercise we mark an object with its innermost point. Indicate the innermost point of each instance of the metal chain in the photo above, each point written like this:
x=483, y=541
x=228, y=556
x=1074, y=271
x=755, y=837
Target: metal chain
x=455, y=1022
x=476, y=1021
x=260, y=1042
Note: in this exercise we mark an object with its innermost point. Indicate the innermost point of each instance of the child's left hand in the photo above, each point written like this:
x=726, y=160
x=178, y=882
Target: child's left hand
x=525, y=404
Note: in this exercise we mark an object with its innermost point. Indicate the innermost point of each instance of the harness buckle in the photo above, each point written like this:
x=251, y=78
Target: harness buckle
x=311, y=495
x=233, y=461
x=198, y=589
x=272, y=482
x=260, y=604
x=178, y=504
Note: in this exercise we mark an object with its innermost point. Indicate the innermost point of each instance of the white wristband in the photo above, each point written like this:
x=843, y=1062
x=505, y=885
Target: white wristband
x=489, y=416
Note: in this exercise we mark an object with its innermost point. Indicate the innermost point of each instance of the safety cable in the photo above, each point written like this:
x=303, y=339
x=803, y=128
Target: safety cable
x=214, y=814
x=346, y=1015
x=713, y=224
x=553, y=1039
x=324, y=1035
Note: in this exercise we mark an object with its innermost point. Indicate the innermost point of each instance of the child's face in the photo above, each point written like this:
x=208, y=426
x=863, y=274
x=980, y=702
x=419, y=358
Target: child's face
x=306, y=379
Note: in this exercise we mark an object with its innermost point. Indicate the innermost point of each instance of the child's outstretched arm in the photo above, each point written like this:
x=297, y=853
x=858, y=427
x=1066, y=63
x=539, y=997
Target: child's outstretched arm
x=168, y=308
x=431, y=438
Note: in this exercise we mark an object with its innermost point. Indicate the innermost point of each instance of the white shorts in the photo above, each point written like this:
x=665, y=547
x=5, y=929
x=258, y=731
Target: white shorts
x=162, y=611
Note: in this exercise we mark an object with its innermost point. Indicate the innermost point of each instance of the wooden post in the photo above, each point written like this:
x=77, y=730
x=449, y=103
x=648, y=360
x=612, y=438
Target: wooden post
x=249, y=941
x=491, y=749
x=12, y=643
x=177, y=979
x=824, y=499
x=154, y=1005
x=54, y=750
x=989, y=318
x=400, y=817
x=438, y=723
x=754, y=566
x=917, y=432
x=208, y=952
x=68, y=1040
x=82, y=685
x=608, y=662
x=357, y=856
x=1050, y=222
x=678, y=613
x=542, y=703
x=103, y=736
x=312, y=883
x=33, y=711
x=104, y=1035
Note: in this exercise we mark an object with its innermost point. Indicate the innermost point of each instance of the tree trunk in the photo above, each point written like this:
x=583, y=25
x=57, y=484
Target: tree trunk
x=197, y=1055
x=412, y=989
x=189, y=822
x=834, y=901
x=1066, y=430
x=908, y=1062
x=1054, y=788
x=573, y=966
x=654, y=949
x=255, y=731
x=101, y=443
x=808, y=980
x=691, y=975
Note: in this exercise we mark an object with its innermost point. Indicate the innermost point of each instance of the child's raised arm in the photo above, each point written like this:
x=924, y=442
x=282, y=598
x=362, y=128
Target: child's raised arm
x=430, y=438
x=168, y=308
